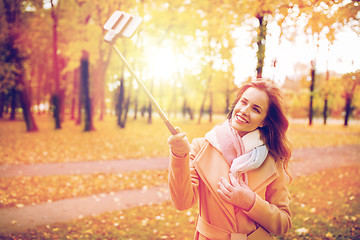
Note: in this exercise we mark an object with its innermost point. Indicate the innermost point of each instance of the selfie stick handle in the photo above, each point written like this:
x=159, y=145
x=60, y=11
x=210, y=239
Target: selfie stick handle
x=151, y=98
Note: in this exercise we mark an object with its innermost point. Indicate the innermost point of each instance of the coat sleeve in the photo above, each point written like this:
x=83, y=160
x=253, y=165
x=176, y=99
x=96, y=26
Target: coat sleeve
x=183, y=178
x=273, y=213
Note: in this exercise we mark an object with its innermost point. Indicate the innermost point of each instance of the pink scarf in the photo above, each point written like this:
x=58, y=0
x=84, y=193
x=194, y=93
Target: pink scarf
x=243, y=154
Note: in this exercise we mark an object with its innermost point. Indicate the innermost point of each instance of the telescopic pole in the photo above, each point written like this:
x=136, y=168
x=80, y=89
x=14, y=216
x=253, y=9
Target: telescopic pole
x=151, y=98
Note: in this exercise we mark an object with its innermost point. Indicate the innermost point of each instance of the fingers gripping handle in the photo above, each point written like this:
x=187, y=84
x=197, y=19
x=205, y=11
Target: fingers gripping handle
x=179, y=144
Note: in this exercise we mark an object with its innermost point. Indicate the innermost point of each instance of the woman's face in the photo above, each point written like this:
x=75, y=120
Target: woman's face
x=250, y=111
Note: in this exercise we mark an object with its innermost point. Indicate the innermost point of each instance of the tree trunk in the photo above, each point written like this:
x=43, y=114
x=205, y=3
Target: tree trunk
x=85, y=88
x=55, y=101
x=75, y=91
x=202, y=107
x=38, y=88
x=120, y=102
x=326, y=98
x=261, y=40
x=227, y=98
x=143, y=110
x=2, y=104
x=348, y=99
x=136, y=103
x=72, y=108
x=150, y=113
x=201, y=112
x=28, y=117
x=95, y=84
x=150, y=106
x=25, y=102
x=187, y=109
x=210, y=105
x=312, y=85
x=127, y=103
x=79, y=97
x=325, y=108
x=102, y=101
x=184, y=108
x=13, y=104
x=56, y=73
x=172, y=106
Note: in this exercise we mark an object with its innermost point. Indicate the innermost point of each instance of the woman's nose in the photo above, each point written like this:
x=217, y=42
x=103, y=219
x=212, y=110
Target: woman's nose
x=245, y=110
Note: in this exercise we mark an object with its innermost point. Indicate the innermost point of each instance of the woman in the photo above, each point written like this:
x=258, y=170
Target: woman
x=237, y=172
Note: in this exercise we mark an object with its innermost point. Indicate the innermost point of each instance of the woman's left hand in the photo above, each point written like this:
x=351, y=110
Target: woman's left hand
x=236, y=193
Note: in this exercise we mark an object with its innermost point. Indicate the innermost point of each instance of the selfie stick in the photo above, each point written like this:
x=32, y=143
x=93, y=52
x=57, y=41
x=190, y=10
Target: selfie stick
x=124, y=24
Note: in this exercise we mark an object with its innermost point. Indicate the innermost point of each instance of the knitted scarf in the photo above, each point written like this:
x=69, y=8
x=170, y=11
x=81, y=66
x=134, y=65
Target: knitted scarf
x=243, y=154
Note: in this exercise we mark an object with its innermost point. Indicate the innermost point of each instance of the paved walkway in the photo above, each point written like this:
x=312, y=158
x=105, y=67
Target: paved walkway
x=306, y=161
x=83, y=167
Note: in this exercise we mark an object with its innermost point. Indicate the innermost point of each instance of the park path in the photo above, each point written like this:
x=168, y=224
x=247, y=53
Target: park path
x=12, y=220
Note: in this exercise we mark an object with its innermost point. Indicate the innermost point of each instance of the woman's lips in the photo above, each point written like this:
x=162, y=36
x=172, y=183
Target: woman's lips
x=240, y=118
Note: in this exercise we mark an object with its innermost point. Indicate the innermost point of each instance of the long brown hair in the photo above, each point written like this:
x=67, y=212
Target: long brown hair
x=276, y=123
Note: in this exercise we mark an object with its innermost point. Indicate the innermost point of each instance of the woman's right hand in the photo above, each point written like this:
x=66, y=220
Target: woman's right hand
x=179, y=144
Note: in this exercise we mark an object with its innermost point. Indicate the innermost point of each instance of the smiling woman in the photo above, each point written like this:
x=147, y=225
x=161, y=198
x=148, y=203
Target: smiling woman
x=237, y=172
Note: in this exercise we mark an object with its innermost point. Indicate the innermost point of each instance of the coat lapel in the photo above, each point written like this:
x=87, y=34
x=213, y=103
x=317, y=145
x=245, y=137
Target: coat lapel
x=264, y=175
x=211, y=166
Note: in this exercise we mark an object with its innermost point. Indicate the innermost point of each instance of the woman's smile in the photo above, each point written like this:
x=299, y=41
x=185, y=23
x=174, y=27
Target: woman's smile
x=239, y=118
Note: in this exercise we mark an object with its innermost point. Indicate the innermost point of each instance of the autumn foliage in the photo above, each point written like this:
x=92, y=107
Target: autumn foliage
x=57, y=72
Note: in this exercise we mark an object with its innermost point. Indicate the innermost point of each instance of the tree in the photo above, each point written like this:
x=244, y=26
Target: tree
x=56, y=98
x=312, y=86
x=84, y=76
x=216, y=21
x=351, y=82
x=85, y=99
x=263, y=11
x=13, y=73
x=326, y=18
x=348, y=14
x=319, y=26
x=326, y=96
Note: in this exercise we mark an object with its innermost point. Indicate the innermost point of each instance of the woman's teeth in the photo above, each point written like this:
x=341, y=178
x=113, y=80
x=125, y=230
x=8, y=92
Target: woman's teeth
x=240, y=118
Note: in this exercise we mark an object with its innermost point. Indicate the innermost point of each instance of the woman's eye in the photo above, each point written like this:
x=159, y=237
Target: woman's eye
x=256, y=110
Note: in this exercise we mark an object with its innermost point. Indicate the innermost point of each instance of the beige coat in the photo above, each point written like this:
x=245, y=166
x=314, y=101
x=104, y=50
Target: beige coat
x=195, y=178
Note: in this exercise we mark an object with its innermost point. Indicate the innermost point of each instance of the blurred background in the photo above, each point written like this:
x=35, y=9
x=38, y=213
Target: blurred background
x=191, y=55
x=83, y=155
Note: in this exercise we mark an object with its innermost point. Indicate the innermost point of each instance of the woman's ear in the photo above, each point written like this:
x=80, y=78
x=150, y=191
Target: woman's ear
x=263, y=124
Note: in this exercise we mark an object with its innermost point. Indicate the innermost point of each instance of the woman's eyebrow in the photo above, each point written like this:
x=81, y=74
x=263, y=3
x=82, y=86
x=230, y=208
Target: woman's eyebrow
x=258, y=106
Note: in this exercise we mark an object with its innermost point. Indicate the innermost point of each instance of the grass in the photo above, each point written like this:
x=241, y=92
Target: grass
x=71, y=144
x=137, y=140
x=324, y=205
x=21, y=191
